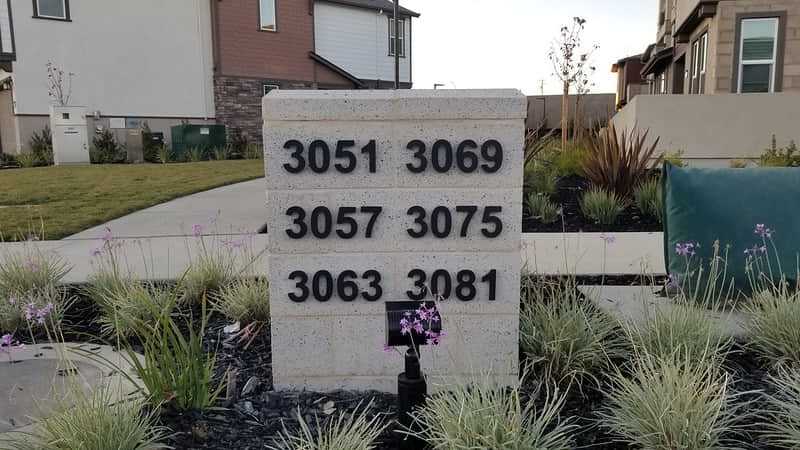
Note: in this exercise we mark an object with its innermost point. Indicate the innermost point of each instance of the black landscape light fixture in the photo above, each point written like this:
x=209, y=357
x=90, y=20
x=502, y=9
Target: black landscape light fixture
x=411, y=386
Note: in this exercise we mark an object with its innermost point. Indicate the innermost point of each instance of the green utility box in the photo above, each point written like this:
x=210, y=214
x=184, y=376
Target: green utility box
x=205, y=137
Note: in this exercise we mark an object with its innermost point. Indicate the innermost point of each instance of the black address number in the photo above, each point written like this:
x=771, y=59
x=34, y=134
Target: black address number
x=323, y=286
x=317, y=157
x=443, y=285
x=440, y=221
x=466, y=157
x=321, y=222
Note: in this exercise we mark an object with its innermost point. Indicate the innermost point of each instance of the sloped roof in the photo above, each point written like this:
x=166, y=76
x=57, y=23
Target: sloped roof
x=378, y=5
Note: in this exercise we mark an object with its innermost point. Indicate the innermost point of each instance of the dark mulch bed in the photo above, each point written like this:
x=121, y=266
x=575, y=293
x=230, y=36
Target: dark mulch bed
x=568, y=193
x=254, y=414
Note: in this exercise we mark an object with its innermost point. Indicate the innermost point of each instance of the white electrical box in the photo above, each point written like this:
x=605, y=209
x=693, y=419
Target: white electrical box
x=70, y=135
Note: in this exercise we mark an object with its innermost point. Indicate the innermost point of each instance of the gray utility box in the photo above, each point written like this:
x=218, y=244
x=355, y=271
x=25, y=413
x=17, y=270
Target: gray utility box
x=70, y=139
x=134, y=145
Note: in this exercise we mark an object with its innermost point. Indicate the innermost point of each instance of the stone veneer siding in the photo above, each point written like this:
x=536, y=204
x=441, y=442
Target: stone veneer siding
x=238, y=102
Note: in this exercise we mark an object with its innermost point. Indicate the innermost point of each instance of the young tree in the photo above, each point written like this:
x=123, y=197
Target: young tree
x=583, y=85
x=569, y=62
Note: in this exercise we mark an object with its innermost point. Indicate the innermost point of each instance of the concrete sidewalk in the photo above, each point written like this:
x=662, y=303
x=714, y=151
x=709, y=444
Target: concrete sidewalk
x=237, y=208
x=167, y=257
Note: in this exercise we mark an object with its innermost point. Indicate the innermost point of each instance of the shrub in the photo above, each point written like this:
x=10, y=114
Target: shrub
x=540, y=207
x=93, y=422
x=773, y=327
x=485, y=416
x=238, y=142
x=245, y=300
x=739, y=163
x=7, y=159
x=539, y=179
x=222, y=153
x=353, y=431
x=781, y=415
x=207, y=274
x=41, y=147
x=565, y=338
x=618, y=162
x=780, y=156
x=602, y=206
x=569, y=161
x=129, y=303
x=675, y=158
x=164, y=154
x=105, y=149
x=196, y=154
x=679, y=332
x=175, y=370
x=30, y=270
x=671, y=404
x=254, y=151
x=648, y=197
x=27, y=160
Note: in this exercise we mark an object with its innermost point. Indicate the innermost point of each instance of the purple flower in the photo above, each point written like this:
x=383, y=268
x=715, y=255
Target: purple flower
x=685, y=248
x=197, y=230
x=387, y=349
x=6, y=340
x=30, y=311
x=107, y=236
x=763, y=231
x=608, y=238
x=96, y=252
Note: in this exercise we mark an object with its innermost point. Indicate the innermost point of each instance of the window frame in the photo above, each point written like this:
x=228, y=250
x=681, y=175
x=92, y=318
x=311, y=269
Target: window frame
x=776, y=80
x=261, y=26
x=699, y=63
x=271, y=88
x=392, y=48
x=65, y=18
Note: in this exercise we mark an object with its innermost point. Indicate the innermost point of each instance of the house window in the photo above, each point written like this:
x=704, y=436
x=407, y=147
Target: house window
x=401, y=38
x=661, y=84
x=758, y=52
x=269, y=88
x=699, y=62
x=266, y=10
x=51, y=9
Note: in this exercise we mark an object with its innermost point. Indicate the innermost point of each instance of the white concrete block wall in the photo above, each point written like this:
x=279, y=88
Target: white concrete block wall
x=338, y=344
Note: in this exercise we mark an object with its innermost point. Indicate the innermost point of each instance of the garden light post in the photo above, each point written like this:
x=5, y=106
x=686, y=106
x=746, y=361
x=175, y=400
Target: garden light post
x=405, y=328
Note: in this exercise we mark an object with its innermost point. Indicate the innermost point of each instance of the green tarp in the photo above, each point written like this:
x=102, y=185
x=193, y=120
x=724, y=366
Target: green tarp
x=704, y=205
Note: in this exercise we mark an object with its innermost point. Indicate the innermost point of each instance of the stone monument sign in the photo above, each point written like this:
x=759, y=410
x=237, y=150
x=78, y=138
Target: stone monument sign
x=382, y=196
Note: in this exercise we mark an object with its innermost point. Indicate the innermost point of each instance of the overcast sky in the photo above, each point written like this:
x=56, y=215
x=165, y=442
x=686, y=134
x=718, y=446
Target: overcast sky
x=504, y=43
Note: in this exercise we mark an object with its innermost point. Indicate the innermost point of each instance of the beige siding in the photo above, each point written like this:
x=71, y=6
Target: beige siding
x=726, y=37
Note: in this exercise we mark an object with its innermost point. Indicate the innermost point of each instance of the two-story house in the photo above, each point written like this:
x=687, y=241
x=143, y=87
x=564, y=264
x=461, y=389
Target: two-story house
x=729, y=74
x=198, y=61
x=261, y=45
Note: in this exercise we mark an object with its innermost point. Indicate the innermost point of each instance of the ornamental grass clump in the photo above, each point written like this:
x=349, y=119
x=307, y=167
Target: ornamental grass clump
x=602, y=206
x=680, y=332
x=486, y=416
x=671, y=403
x=176, y=371
x=245, y=300
x=129, y=304
x=92, y=421
x=351, y=431
x=30, y=270
x=649, y=199
x=565, y=338
x=540, y=207
x=212, y=268
x=773, y=327
x=781, y=414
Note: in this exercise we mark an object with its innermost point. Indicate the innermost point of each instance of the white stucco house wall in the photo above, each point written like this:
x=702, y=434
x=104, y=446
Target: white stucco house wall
x=142, y=60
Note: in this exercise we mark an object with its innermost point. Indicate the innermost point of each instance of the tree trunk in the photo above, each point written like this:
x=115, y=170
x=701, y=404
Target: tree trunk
x=565, y=115
x=577, y=131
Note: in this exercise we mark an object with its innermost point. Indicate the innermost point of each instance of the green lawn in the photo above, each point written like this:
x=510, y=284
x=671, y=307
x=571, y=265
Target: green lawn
x=54, y=202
